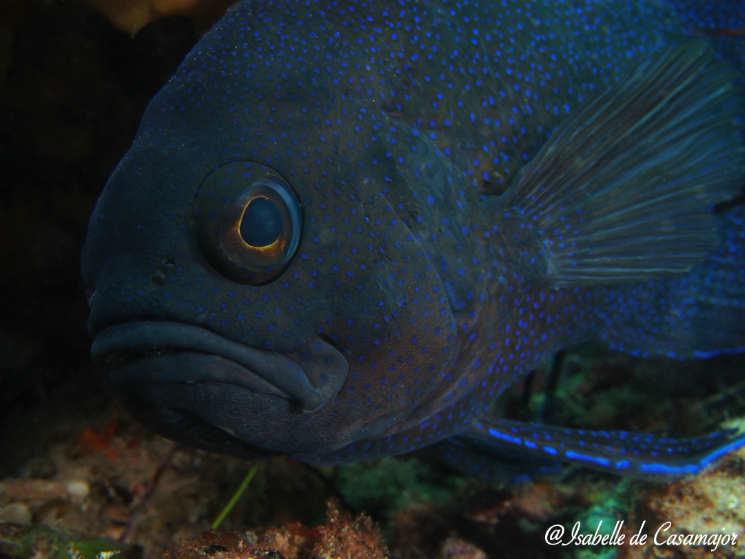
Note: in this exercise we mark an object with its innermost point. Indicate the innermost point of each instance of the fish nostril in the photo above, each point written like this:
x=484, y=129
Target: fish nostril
x=158, y=278
x=160, y=274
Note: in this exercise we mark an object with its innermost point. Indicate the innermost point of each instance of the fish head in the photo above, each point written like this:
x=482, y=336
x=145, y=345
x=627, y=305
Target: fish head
x=252, y=287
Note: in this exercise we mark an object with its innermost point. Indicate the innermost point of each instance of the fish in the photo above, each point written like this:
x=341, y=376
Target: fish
x=344, y=229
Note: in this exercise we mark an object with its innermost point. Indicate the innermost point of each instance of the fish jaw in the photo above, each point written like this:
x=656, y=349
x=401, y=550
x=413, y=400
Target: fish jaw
x=266, y=372
x=171, y=372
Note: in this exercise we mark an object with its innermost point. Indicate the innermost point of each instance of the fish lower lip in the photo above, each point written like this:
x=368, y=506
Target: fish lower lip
x=259, y=370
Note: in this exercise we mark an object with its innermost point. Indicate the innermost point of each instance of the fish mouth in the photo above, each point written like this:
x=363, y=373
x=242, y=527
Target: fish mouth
x=174, y=352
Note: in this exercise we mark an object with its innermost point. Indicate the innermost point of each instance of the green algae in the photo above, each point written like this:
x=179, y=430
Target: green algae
x=22, y=542
x=391, y=484
x=235, y=497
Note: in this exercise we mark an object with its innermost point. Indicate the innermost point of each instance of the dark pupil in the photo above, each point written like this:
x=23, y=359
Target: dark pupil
x=262, y=223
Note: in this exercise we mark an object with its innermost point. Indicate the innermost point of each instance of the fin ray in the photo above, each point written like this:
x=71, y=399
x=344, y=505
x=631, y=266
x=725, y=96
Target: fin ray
x=620, y=452
x=699, y=315
x=624, y=190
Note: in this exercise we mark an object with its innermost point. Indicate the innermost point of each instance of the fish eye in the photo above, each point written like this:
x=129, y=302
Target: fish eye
x=261, y=224
x=247, y=219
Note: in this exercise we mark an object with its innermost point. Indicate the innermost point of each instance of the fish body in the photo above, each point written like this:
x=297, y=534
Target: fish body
x=447, y=194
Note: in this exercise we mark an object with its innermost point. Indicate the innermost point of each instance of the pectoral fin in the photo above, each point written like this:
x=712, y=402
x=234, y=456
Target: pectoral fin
x=624, y=189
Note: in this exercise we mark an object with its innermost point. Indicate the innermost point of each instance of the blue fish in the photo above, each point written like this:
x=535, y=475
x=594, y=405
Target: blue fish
x=344, y=228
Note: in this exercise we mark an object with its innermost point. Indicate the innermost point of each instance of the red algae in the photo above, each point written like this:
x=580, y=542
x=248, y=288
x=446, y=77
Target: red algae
x=340, y=536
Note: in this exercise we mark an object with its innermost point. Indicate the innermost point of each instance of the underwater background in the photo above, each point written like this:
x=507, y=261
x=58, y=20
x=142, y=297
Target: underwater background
x=80, y=478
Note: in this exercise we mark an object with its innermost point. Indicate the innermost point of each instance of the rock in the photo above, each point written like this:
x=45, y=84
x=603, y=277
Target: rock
x=16, y=513
x=712, y=502
x=455, y=548
x=41, y=542
x=78, y=489
x=340, y=536
x=43, y=490
x=30, y=490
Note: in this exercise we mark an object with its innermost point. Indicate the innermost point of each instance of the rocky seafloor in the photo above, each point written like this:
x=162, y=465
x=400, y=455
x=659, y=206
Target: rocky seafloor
x=80, y=478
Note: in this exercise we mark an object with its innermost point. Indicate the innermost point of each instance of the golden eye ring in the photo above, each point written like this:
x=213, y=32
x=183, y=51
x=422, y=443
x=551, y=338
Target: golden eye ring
x=248, y=221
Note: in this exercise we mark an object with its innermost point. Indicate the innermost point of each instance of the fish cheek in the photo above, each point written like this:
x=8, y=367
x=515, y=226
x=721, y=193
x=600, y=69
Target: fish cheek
x=399, y=329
